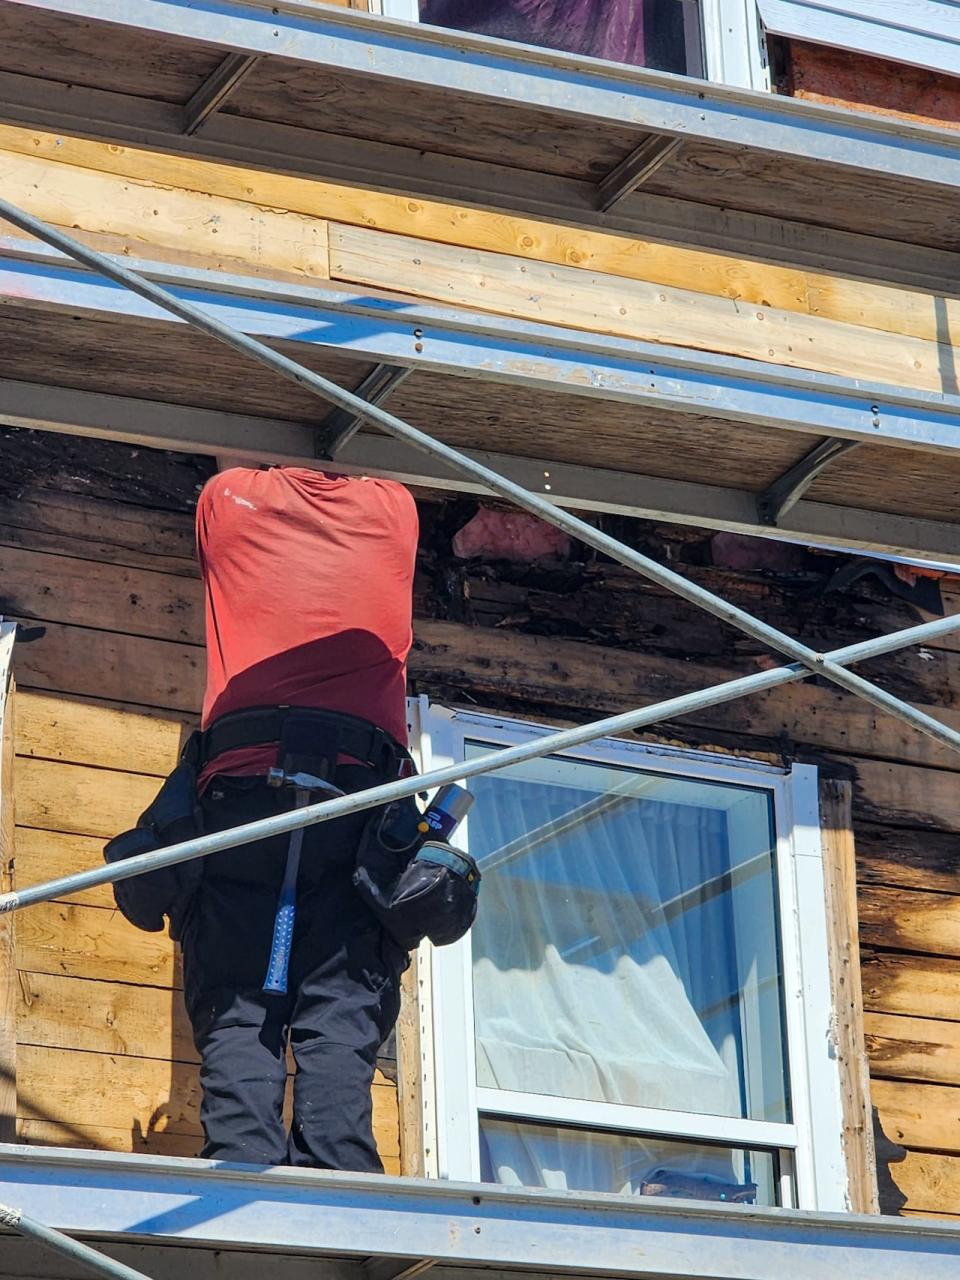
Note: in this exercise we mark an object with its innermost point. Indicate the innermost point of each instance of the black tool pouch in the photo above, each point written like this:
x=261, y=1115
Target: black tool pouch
x=173, y=816
x=430, y=893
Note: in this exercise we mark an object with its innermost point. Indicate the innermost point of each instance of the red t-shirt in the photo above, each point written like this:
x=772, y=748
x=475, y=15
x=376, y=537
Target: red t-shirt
x=308, y=582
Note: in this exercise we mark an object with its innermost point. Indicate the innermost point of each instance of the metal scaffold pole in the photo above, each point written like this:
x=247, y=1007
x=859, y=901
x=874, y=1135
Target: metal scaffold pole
x=548, y=744
x=66, y=1246
x=315, y=383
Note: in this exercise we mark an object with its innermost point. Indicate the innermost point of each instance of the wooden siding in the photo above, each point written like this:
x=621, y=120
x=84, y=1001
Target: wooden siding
x=109, y=686
x=599, y=282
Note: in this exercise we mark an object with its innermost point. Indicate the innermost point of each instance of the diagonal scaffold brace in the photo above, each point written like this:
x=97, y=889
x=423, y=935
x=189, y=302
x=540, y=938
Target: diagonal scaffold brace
x=66, y=1246
x=832, y=665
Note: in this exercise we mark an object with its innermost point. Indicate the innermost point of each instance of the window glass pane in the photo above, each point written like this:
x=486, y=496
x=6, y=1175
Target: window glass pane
x=536, y=1155
x=626, y=947
x=664, y=34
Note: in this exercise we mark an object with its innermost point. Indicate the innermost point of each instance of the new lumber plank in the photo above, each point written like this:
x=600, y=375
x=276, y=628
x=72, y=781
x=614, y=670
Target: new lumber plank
x=120, y=668
x=897, y=310
x=46, y=855
x=910, y=920
x=913, y=1048
x=77, y=799
x=141, y=1095
x=634, y=309
x=51, y=727
x=920, y=1116
x=90, y=942
x=104, y=1017
x=930, y=1182
x=229, y=231
x=50, y=1133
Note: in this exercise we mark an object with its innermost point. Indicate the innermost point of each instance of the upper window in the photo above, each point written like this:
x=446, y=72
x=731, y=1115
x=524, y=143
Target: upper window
x=632, y=1012
x=711, y=39
x=664, y=34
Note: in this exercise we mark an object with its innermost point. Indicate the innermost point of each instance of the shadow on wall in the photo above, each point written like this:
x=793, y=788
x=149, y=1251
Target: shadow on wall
x=891, y=1197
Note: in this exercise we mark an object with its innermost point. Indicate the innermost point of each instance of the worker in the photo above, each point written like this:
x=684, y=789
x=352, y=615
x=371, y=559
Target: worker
x=299, y=940
x=308, y=582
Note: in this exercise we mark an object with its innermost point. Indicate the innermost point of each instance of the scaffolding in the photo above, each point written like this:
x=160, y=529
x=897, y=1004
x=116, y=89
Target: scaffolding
x=804, y=661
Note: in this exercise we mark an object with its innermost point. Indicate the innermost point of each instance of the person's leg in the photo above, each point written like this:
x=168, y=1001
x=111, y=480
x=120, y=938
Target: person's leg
x=347, y=1001
x=239, y=1031
x=241, y=1039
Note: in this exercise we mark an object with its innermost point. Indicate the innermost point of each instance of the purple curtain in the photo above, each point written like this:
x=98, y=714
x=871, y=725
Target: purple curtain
x=611, y=29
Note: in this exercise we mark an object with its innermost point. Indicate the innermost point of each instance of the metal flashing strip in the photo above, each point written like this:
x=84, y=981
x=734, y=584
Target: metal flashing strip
x=320, y=1213
x=577, y=89
x=478, y=345
x=160, y=425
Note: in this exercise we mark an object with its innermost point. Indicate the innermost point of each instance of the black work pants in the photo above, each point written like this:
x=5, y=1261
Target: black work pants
x=342, y=993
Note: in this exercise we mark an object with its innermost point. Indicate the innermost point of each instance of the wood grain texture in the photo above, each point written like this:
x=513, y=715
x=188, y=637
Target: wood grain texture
x=896, y=310
x=910, y=920
x=141, y=1096
x=634, y=309
x=428, y=120
x=70, y=731
x=903, y=982
x=115, y=533
x=86, y=593
x=228, y=232
x=929, y=1182
x=840, y=887
x=73, y=51
x=920, y=1116
x=913, y=1048
x=92, y=942
x=46, y=855
x=77, y=799
x=103, y=1017
x=114, y=666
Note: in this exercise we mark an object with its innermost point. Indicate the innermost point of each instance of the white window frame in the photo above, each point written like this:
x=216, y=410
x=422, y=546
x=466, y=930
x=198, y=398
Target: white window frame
x=812, y=1168
x=734, y=52
x=920, y=33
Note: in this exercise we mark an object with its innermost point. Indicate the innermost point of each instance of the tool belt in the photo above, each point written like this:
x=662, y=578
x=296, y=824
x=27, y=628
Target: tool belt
x=416, y=888
x=307, y=740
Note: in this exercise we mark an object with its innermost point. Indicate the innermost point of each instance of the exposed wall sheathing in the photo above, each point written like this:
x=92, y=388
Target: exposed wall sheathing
x=843, y=78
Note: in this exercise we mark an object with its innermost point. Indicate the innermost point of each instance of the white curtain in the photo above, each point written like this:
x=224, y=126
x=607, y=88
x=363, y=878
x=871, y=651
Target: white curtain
x=603, y=971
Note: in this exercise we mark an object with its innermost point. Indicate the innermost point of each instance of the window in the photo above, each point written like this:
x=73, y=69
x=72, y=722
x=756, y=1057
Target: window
x=921, y=33
x=713, y=39
x=636, y=1010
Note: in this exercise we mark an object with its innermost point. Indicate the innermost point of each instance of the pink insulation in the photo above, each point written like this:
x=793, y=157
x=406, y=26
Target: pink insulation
x=509, y=535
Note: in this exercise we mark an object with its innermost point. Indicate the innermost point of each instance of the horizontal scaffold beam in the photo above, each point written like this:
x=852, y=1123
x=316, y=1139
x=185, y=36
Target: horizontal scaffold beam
x=586, y=91
x=482, y=345
x=473, y=345
x=505, y=1230
x=247, y=439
